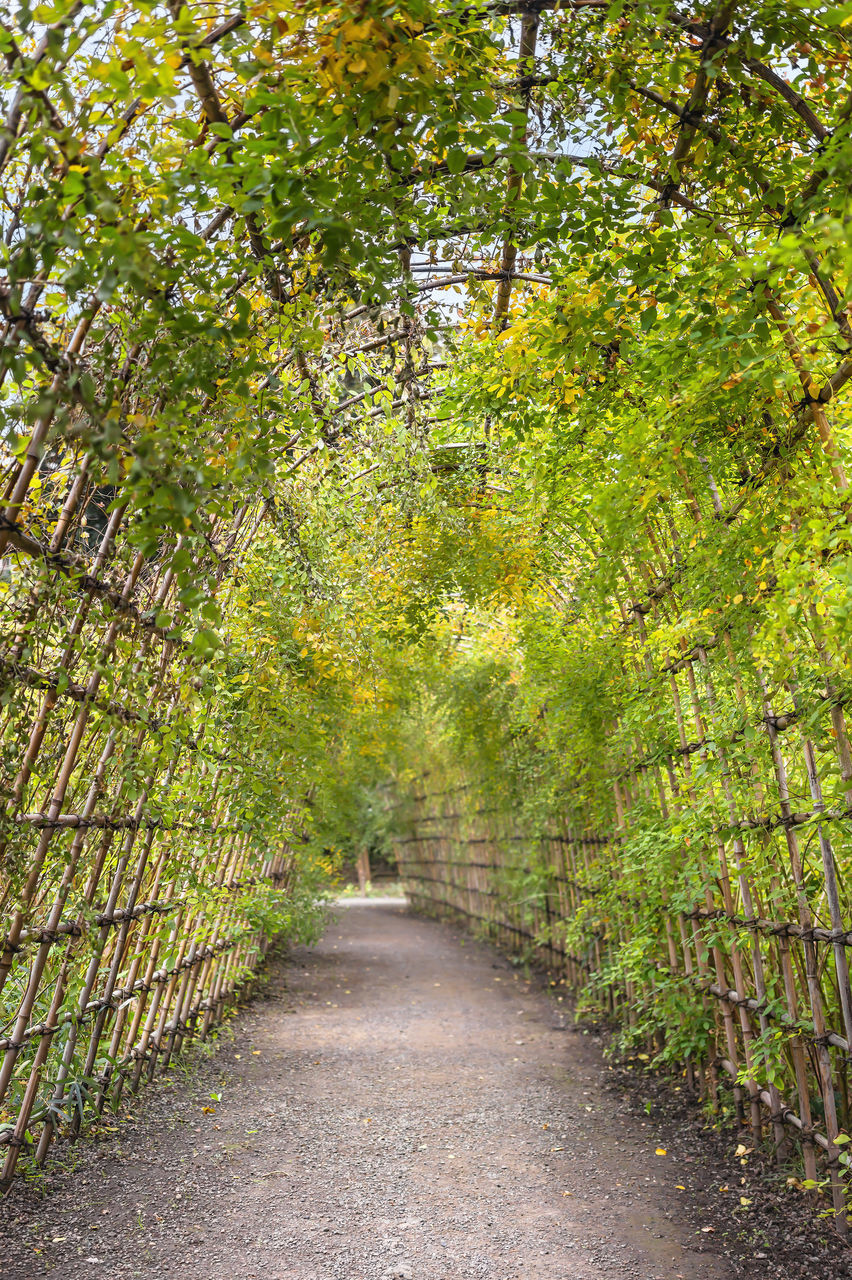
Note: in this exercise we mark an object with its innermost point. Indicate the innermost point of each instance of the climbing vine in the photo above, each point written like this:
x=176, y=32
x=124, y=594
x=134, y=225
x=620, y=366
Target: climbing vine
x=423, y=405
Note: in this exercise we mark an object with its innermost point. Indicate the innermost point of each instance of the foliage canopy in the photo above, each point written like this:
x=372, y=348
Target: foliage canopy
x=425, y=390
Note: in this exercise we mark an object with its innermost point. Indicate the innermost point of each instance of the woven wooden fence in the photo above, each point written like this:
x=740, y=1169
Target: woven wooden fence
x=125, y=876
x=706, y=906
x=130, y=880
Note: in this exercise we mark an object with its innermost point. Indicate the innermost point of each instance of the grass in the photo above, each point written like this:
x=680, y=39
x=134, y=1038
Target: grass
x=387, y=889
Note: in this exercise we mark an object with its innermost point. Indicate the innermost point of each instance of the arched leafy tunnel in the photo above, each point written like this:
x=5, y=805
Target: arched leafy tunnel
x=426, y=428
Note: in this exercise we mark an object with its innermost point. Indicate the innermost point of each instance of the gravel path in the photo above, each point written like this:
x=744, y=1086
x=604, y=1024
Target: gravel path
x=403, y=1104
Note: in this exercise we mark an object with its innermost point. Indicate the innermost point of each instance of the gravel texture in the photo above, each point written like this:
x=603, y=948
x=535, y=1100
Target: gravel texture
x=403, y=1105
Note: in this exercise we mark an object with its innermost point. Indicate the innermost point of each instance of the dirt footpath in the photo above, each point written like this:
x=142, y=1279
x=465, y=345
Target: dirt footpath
x=402, y=1105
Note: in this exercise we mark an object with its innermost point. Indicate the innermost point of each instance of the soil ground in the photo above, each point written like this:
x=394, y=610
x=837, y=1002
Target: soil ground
x=402, y=1103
